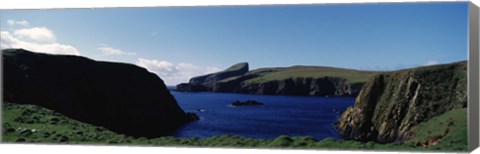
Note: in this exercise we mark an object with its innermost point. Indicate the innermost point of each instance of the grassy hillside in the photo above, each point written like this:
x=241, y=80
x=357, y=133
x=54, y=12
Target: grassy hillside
x=30, y=123
x=273, y=74
x=444, y=132
x=33, y=124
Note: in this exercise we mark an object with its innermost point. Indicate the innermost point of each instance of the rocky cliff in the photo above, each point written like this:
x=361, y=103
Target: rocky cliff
x=296, y=80
x=235, y=70
x=121, y=97
x=209, y=82
x=389, y=104
x=325, y=86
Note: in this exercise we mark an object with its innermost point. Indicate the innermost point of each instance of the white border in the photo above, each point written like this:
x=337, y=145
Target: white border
x=82, y=149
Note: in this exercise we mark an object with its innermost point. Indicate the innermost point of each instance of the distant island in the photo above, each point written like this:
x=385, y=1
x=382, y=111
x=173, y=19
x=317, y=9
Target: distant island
x=295, y=80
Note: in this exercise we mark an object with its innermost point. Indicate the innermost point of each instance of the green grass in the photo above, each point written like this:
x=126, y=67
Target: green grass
x=33, y=124
x=30, y=123
x=353, y=76
x=450, y=130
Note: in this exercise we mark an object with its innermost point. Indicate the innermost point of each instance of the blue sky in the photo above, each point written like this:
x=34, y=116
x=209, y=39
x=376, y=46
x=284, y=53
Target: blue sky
x=180, y=42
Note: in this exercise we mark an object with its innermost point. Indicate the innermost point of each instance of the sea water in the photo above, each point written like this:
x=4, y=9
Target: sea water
x=280, y=115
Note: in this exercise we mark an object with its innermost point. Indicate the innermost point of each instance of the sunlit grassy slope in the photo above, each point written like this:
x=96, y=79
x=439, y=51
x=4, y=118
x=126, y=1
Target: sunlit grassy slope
x=445, y=132
x=276, y=74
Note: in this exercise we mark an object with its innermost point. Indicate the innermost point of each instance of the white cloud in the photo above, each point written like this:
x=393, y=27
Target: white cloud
x=11, y=22
x=431, y=62
x=162, y=68
x=212, y=69
x=9, y=41
x=37, y=34
x=113, y=51
x=174, y=74
x=36, y=39
x=19, y=23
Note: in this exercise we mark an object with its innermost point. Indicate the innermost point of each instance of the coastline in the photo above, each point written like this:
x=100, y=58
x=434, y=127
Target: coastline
x=69, y=131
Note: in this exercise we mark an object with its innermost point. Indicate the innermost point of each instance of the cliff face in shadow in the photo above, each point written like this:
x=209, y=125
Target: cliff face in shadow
x=295, y=80
x=389, y=104
x=326, y=86
x=121, y=97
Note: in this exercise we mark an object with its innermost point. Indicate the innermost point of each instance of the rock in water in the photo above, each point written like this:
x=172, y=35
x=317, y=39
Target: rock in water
x=391, y=103
x=121, y=97
x=247, y=103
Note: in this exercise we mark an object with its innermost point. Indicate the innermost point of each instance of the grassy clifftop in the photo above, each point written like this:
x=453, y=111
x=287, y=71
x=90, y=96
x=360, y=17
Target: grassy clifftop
x=236, y=67
x=277, y=74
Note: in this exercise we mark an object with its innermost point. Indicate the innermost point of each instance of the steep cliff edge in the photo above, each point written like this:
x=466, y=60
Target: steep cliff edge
x=389, y=104
x=323, y=86
x=295, y=80
x=209, y=82
x=121, y=97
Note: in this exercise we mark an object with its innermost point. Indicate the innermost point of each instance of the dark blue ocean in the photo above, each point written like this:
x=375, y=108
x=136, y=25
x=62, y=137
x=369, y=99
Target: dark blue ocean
x=281, y=115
